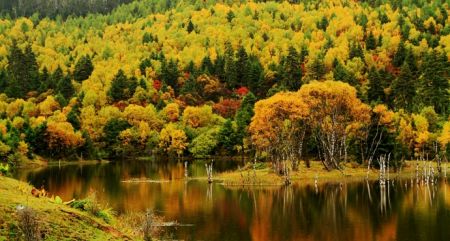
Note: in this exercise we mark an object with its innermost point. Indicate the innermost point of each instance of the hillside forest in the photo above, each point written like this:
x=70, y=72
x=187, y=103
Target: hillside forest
x=332, y=80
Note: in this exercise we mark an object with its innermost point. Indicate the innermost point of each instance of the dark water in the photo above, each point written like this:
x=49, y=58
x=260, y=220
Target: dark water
x=351, y=211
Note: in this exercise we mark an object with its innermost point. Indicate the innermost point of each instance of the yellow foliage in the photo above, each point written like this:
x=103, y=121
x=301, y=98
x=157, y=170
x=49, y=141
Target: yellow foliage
x=171, y=112
x=14, y=108
x=22, y=148
x=197, y=116
x=48, y=106
x=62, y=135
x=172, y=139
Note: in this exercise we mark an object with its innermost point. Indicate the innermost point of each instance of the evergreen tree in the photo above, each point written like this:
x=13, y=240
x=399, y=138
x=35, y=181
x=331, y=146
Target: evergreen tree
x=255, y=75
x=230, y=16
x=143, y=84
x=323, y=23
x=22, y=72
x=32, y=69
x=170, y=73
x=83, y=69
x=190, y=27
x=244, y=116
x=44, y=77
x=227, y=137
x=404, y=89
x=118, y=87
x=55, y=78
x=292, y=71
x=3, y=81
x=400, y=55
x=219, y=67
x=371, y=42
x=242, y=63
x=207, y=66
x=434, y=83
x=410, y=60
x=73, y=117
x=375, y=93
x=356, y=51
x=144, y=65
x=230, y=71
x=317, y=69
x=65, y=87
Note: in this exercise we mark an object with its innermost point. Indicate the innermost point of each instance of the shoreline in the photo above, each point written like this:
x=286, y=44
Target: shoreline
x=305, y=176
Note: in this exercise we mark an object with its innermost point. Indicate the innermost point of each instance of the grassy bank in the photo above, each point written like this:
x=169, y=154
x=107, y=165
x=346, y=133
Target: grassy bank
x=264, y=175
x=55, y=221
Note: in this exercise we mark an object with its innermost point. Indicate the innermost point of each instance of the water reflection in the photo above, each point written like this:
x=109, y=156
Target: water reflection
x=398, y=210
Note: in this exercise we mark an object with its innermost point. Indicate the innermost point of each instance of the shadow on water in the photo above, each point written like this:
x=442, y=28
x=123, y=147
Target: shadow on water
x=399, y=210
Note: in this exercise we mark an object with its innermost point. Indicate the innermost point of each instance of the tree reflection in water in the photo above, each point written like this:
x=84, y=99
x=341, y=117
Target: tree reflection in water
x=399, y=210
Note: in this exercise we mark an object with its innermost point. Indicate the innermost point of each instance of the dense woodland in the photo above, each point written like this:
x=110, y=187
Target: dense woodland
x=333, y=80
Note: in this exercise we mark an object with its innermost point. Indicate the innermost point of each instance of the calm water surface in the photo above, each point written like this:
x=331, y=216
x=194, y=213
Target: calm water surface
x=351, y=211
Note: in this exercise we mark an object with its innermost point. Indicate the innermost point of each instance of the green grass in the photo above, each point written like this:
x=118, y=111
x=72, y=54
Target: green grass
x=56, y=221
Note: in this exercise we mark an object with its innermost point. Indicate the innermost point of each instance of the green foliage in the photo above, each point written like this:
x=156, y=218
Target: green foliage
x=190, y=27
x=4, y=169
x=371, y=42
x=404, y=89
x=204, y=144
x=227, y=137
x=122, y=88
x=22, y=72
x=83, y=69
x=400, y=55
x=65, y=87
x=376, y=87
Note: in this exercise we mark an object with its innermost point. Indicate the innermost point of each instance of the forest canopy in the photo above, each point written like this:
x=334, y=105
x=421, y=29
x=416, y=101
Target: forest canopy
x=190, y=77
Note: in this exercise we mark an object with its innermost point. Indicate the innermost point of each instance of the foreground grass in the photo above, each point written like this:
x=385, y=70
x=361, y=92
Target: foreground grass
x=56, y=221
x=264, y=175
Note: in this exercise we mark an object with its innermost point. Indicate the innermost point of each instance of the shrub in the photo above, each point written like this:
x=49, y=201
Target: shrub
x=29, y=224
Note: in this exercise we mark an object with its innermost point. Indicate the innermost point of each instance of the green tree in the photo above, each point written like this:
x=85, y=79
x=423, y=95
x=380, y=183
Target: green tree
x=292, y=71
x=170, y=73
x=118, y=87
x=227, y=137
x=400, y=55
x=22, y=72
x=433, y=82
x=230, y=70
x=242, y=61
x=190, y=27
x=65, y=87
x=404, y=89
x=83, y=68
x=371, y=42
x=375, y=92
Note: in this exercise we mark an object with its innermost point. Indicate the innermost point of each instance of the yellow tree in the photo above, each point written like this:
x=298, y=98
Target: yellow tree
x=61, y=137
x=335, y=114
x=172, y=139
x=278, y=126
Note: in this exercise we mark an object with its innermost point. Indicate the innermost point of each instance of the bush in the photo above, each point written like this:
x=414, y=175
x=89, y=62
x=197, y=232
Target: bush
x=28, y=223
x=91, y=206
x=4, y=170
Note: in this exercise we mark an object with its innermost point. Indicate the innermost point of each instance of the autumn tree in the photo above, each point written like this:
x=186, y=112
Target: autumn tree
x=335, y=114
x=278, y=125
x=172, y=139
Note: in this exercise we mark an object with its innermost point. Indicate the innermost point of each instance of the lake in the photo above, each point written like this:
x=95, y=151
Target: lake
x=402, y=210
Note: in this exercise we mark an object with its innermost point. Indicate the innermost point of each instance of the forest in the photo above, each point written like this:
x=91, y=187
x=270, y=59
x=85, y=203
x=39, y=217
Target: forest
x=332, y=80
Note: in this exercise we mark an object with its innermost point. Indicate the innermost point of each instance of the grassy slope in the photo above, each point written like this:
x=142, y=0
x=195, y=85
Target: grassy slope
x=57, y=221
